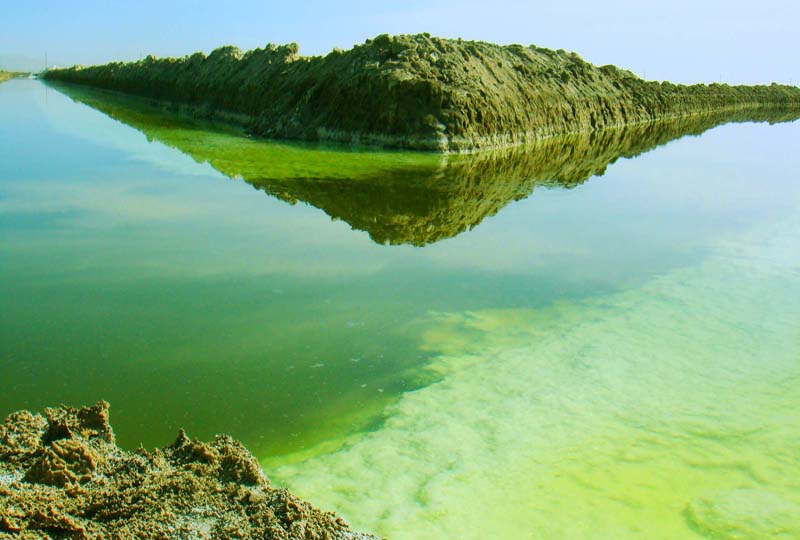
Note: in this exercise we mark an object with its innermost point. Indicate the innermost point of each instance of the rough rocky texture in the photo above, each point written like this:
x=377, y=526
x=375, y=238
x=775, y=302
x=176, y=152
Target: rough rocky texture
x=62, y=477
x=418, y=91
x=408, y=199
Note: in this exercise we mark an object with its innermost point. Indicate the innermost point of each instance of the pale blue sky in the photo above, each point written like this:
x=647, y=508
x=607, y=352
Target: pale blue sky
x=679, y=40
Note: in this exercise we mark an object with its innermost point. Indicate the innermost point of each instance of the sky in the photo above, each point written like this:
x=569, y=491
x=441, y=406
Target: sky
x=679, y=40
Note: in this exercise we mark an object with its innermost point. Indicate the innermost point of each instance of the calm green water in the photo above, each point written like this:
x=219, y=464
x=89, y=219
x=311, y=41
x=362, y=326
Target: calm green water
x=598, y=338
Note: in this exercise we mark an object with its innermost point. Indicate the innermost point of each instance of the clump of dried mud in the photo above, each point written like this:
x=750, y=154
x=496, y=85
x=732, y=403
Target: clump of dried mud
x=63, y=477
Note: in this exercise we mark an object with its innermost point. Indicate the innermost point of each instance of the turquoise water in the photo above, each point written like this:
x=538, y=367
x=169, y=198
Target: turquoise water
x=565, y=343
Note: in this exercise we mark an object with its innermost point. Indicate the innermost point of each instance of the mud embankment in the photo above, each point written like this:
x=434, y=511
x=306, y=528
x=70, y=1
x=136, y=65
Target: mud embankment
x=418, y=91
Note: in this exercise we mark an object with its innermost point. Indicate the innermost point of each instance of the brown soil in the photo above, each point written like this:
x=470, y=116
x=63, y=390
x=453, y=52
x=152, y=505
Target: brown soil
x=418, y=91
x=63, y=477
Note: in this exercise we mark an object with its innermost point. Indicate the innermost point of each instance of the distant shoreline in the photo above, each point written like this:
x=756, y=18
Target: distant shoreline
x=8, y=75
x=418, y=92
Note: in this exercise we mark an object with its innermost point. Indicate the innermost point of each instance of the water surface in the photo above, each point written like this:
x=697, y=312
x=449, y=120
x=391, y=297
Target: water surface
x=593, y=338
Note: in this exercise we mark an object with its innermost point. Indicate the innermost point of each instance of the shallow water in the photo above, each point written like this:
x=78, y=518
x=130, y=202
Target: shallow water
x=618, y=360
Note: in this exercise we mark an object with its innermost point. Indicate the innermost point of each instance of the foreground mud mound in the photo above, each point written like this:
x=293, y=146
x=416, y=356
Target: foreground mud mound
x=63, y=477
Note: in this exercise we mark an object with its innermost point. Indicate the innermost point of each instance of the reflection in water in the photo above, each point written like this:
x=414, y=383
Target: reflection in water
x=403, y=198
x=617, y=363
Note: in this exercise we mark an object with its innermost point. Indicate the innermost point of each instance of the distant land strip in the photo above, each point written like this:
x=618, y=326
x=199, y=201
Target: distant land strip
x=418, y=92
x=6, y=75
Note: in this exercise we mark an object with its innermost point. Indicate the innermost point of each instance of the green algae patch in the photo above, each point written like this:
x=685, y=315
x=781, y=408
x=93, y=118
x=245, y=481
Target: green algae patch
x=403, y=197
x=663, y=412
x=745, y=513
x=417, y=91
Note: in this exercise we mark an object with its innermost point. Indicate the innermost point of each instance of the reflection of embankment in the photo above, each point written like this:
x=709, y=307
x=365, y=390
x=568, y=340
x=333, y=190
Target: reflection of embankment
x=425, y=205
x=402, y=198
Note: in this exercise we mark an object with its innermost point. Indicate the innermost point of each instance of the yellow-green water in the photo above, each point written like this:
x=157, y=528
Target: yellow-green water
x=605, y=418
x=617, y=360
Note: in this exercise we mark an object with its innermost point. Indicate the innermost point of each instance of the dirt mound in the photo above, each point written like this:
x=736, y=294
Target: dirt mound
x=62, y=476
x=418, y=91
